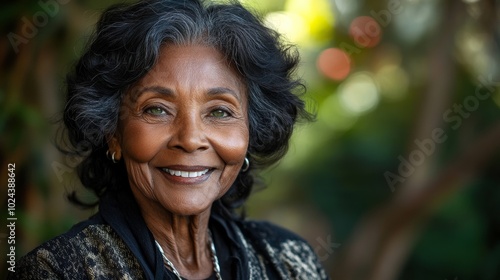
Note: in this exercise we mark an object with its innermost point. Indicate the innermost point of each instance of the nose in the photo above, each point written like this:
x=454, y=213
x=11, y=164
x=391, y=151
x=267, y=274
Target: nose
x=189, y=134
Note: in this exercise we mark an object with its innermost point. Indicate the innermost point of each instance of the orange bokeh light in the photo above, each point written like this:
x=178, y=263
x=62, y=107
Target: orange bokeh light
x=365, y=31
x=334, y=63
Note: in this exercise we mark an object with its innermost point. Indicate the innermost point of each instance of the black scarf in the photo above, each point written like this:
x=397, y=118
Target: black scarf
x=122, y=213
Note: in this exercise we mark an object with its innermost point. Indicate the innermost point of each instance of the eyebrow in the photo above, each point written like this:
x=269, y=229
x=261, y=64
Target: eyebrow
x=168, y=91
x=157, y=89
x=224, y=90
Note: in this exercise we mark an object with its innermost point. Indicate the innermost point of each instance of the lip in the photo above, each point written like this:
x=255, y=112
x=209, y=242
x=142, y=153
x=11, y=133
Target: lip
x=177, y=179
x=188, y=168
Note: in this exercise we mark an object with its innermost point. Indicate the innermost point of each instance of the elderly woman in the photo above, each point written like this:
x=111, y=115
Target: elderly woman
x=171, y=107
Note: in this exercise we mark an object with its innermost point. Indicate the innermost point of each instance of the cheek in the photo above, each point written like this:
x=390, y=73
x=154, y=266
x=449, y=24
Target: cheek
x=232, y=148
x=140, y=143
x=231, y=145
x=140, y=176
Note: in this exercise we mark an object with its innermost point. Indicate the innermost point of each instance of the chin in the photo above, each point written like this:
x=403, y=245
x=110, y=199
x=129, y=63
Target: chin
x=188, y=207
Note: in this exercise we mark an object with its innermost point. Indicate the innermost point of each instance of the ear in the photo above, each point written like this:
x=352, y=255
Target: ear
x=114, y=145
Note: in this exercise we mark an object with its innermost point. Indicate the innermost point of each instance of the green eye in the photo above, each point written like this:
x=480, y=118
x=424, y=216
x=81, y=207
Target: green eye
x=155, y=111
x=219, y=113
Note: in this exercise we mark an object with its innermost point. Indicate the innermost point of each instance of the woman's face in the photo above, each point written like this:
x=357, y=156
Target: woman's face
x=183, y=130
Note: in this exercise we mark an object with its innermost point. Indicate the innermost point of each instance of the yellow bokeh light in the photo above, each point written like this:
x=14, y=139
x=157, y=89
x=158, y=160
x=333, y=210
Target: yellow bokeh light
x=289, y=24
x=317, y=16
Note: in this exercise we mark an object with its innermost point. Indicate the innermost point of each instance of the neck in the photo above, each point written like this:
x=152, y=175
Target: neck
x=184, y=239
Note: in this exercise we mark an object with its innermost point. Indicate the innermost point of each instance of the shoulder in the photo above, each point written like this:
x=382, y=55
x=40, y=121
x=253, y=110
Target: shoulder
x=289, y=253
x=89, y=248
x=270, y=232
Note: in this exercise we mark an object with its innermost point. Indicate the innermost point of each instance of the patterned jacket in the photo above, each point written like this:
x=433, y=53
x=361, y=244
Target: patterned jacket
x=116, y=244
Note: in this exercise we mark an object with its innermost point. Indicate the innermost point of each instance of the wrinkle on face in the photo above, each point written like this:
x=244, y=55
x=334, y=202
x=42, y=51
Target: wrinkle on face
x=188, y=83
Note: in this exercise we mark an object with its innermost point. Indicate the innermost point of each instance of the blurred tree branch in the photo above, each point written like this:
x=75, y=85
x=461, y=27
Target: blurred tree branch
x=382, y=241
x=370, y=254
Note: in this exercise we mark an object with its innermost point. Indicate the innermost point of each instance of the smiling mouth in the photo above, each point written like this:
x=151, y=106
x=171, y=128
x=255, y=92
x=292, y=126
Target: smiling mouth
x=185, y=174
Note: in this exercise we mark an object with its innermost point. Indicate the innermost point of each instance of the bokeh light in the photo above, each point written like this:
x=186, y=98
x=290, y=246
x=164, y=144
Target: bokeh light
x=289, y=24
x=473, y=52
x=318, y=18
x=411, y=28
x=365, y=31
x=359, y=93
x=334, y=63
x=346, y=9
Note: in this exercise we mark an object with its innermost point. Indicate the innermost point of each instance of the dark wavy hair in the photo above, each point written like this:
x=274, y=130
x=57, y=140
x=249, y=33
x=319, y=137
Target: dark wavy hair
x=126, y=45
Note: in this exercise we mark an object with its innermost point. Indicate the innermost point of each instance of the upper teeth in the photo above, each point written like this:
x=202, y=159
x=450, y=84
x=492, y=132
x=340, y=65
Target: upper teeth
x=185, y=174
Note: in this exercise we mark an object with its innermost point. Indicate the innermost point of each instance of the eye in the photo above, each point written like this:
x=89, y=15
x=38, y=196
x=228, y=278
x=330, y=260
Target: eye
x=155, y=110
x=219, y=113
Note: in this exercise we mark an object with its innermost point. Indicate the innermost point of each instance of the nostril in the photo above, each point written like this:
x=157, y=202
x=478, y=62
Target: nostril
x=189, y=140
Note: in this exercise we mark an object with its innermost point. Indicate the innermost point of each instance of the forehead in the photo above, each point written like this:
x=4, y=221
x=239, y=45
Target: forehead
x=193, y=66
